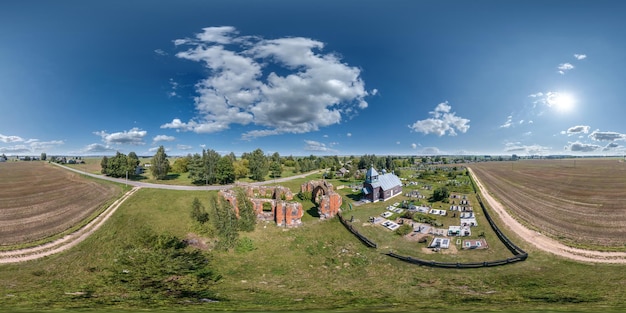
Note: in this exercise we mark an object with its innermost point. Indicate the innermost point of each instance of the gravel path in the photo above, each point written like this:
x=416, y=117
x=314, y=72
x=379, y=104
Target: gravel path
x=545, y=243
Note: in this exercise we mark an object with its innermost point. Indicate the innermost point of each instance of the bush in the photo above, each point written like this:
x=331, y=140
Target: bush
x=244, y=244
x=305, y=196
x=404, y=230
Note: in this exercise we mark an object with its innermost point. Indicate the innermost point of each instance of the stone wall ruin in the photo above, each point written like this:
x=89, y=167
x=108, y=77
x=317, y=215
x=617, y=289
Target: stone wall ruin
x=323, y=194
x=283, y=211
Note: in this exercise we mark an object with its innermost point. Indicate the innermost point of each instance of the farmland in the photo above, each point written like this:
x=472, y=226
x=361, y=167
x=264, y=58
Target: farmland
x=40, y=200
x=578, y=202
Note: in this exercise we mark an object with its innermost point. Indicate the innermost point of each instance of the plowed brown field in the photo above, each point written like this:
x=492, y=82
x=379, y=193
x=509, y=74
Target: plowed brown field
x=580, y=202
x=38, y=200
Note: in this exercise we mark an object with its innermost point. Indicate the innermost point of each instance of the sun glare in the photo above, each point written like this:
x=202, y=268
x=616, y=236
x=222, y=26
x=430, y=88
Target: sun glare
x=562, y=102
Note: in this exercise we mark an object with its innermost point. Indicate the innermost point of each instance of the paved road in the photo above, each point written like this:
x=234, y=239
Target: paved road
x=180, y=187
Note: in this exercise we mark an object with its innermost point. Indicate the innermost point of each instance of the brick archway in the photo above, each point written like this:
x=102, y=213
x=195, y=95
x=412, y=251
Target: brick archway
x=324, y=196
x=318, y=192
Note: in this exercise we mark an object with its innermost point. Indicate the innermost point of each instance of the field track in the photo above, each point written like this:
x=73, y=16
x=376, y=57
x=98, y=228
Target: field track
x=67, y=241
x=38, y=200
x=71, y=240
x=541, y=241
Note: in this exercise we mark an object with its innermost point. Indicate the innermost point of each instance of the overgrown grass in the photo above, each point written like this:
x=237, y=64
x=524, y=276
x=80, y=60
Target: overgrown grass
x=318, y=266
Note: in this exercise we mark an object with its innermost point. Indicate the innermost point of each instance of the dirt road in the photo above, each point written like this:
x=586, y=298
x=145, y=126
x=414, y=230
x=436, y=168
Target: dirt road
x=71, y=240
x=67, y=241
x=542, y=242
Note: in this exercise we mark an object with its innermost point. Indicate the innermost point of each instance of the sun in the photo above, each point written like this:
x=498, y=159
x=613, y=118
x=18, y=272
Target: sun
x=562, y=102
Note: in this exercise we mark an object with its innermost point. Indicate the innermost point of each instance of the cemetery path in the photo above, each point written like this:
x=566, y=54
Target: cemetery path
x=543, y=242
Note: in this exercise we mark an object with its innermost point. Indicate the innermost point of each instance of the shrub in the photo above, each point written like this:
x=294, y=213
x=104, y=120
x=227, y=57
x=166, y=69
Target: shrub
x=404, y=230
x=244, y=244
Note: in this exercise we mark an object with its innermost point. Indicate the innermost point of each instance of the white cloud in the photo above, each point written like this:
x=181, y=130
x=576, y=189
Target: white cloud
x=414, y=146
x=160, y=52
x=37, y=145
x=15, y=149
x=27, y=146
x=349, y=135
x=183, y=147
x=9, y=139
x=517, y=147
x=579, y=129
x=134, y=136
x=160, y=138
x=311, y=145
x=154, y=149
x=442, y=122
x=580, y=56
x=431, y=151
x=606, y=136
x=549, y=99
x=581, y=147
x=397, y=142
x=325, y=136
x=508, y=123
x=97, y=148
x=612, y=146
x=564, y=67
x=308, y=89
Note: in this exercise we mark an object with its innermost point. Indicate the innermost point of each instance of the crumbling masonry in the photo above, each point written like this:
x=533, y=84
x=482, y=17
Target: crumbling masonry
x=323, y=194
x=274, y=203
x=282, y=210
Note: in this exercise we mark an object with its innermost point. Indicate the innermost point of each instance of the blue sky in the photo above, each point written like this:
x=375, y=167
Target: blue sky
x=313, y=77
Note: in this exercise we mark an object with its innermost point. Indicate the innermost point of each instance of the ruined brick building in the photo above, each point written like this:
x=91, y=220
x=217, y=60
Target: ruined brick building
x=323, y=194
x=274, y=203
x=270, y=203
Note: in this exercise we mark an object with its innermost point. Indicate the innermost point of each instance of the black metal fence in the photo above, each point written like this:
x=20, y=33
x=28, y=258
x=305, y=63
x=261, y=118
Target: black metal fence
x=457, y=264
x=363, y=239
x=519, y=254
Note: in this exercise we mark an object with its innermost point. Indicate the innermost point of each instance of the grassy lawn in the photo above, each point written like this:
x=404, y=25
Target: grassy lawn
x=318, y=266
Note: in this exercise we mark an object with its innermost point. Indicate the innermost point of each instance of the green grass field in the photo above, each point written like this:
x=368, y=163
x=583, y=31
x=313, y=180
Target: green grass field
x=319, y=266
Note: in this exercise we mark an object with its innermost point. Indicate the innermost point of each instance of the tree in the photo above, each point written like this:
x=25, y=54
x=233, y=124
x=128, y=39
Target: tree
x=440, y=194
x=43, y=156
x=116, y=166
x=104, y=164
x=210, y=159
x=198, y=212
x=276, y=157
x=241, y=168
x=133, y=160
x=275, y=169
x=225, y=222
x=258, y=165
x=195, y=169
x=247, y=216
x=160, y=164
x=181, y=165
x=225, y=171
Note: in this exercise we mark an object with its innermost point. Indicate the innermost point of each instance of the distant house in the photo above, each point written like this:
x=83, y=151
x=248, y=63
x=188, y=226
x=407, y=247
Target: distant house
x=381, y=187
x=341, y=172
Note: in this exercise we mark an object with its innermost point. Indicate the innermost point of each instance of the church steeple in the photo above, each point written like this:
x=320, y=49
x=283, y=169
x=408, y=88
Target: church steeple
x=371, y=176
